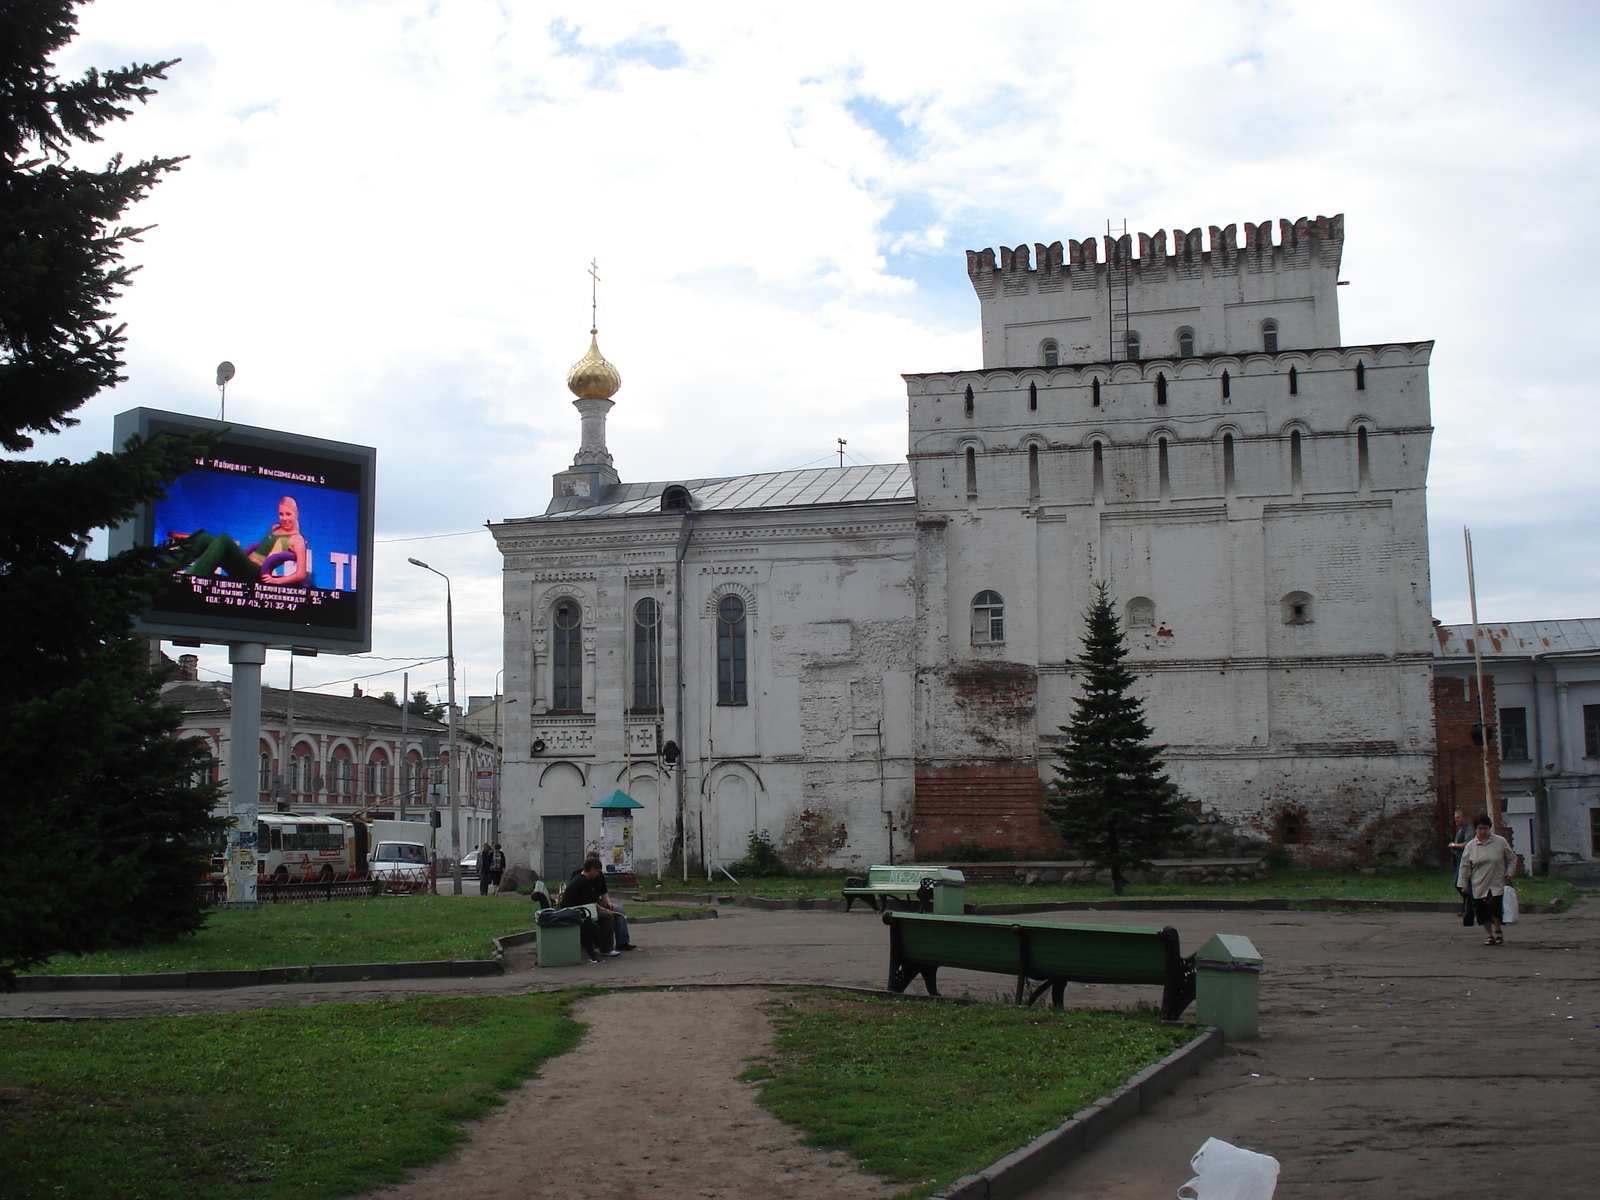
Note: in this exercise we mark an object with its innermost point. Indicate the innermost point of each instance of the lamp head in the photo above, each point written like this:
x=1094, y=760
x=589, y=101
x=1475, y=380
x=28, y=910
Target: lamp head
x=417, y=562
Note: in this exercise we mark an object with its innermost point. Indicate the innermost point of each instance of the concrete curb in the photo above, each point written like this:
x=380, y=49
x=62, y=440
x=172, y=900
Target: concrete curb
x=1265, y=904
x=1021, y=1169
x=340, y=973
x=763, y=903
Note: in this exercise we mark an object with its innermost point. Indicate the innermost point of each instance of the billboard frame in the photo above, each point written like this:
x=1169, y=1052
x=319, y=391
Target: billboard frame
x=231, y=630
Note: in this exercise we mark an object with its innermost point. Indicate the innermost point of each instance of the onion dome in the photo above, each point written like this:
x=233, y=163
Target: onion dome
x=592, y=377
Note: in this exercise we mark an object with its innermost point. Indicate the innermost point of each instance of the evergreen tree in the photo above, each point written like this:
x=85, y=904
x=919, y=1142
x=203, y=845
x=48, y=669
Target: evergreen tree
x=420, y=706
x=1113, y=803
x=101, y=823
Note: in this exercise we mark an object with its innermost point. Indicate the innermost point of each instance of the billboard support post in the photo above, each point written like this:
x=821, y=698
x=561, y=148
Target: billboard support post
x=244, y=751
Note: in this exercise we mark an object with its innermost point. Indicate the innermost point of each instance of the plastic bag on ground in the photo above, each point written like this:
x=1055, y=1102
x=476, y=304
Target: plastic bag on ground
x=1509, y=906
x=1226, y=1172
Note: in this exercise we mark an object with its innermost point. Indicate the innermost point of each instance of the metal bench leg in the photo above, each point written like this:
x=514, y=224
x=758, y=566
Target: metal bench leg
x=1033, y=996
x=930, y=980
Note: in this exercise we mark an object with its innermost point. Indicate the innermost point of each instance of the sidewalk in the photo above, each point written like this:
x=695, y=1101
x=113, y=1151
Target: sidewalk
x=1401, y=1057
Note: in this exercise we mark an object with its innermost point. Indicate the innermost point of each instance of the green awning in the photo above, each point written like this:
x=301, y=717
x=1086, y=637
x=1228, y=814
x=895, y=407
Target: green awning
x=617, y=799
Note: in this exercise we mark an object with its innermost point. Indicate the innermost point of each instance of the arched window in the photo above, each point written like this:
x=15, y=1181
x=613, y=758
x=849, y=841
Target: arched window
x=566, y=657
x=1361, y=376
x=1099, y=472
x=1294, y=381
x=988, y=619
x=1229, y=479
x=675, y=498
x=731, y=665
x=1133, y=347
x=1163, y=468
x=264, y=776
x=1161, y=387
x=1052, y=353
x=1096, y=388
x=378, y=776
x=1141, y=613
x=969, y=401
x=1033, y=472
x=1297, y=608
x=646, y=656
x=1033, y=397
x=1269, y=336
x=344, y=776
x=972, y=471
x=1185, y=343
x=1363, y=458
x=1227, y=386
x=1296, y=462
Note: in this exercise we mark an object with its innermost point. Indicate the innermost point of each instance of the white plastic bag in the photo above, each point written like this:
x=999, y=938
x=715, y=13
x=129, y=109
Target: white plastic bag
x=1225, y=1172
x=1508, y=903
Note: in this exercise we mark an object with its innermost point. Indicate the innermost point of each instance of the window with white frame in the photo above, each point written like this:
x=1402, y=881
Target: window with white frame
x=988, y=619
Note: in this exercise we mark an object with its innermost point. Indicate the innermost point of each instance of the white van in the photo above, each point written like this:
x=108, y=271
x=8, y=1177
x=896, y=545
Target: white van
x=397, y=862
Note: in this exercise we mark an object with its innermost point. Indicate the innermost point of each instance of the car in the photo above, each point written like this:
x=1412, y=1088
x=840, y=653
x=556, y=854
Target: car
x=469, y=863
x=399, y=863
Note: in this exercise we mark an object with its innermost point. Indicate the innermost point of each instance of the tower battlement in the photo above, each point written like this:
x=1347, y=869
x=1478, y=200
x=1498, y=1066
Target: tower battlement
x=1300, y=244
x=1199, y=288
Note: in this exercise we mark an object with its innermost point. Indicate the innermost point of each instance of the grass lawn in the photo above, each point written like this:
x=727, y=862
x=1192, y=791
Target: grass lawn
x=1407, y=883
x=382, y=929
x=286, y=1102
x=922, y=1093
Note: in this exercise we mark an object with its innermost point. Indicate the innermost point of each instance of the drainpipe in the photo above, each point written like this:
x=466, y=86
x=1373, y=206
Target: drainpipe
x=677, y=720
x=1541, y=789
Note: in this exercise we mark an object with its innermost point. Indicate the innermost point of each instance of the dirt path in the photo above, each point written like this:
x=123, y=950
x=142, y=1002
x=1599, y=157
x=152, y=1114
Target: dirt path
x=646, y=1107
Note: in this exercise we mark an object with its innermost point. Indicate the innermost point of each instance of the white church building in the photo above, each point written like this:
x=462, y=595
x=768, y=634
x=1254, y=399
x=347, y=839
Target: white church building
x=872, y=663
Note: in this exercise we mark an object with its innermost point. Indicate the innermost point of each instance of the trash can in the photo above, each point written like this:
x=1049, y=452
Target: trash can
x=558, y=938
x=949, y=897
x=1228, y=986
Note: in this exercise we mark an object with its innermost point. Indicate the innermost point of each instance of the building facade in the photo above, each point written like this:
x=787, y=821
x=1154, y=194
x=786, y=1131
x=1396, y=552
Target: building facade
x=336, y=755
x=875, y=661
x=1542, y=701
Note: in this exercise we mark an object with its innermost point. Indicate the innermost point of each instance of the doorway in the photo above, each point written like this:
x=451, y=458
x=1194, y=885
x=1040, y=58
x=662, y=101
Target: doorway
x=563, y=848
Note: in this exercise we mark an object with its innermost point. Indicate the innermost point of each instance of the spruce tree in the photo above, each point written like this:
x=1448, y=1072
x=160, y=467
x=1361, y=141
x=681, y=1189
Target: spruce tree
x=1113, y=803
x=101, y=822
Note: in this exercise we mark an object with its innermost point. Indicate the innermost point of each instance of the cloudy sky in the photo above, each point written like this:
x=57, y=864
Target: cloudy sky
x=389, y=207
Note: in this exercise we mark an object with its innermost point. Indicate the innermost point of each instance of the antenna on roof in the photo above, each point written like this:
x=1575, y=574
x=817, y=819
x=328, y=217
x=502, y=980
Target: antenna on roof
x=842, y=445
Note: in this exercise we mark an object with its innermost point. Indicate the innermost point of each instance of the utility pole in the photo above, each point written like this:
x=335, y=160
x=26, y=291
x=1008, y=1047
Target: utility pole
x=452, y=779
x=1477, y=660
x=405, y=742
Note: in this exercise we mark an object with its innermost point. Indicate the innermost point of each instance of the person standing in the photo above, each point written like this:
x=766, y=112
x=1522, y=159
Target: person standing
x=1462, y=837
x=1487, y=865
x=485, y=853
x=497, y=868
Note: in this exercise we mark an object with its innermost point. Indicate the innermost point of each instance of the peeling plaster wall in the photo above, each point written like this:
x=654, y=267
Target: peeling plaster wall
x=819, y=757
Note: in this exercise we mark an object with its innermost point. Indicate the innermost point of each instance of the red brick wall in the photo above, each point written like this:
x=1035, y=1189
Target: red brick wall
x=1460, y=771
x=995, y=805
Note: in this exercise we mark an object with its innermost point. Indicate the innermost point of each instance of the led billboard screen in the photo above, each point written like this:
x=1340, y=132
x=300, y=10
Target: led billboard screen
x=271, y=533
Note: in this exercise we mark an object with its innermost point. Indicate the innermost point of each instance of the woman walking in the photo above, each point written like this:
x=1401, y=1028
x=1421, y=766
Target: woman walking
x=1487, y=865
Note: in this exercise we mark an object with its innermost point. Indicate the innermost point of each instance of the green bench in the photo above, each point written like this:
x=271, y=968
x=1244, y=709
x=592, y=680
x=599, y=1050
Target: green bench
x=935, y=889
x=1045, y=953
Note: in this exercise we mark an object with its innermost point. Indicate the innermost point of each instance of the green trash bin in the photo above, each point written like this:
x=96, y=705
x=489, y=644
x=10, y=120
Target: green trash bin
x=1227, y=989
x=560, y=945
x=949, y=897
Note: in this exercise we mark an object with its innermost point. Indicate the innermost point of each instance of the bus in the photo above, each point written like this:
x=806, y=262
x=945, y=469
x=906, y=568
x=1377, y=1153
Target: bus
x=291, y=847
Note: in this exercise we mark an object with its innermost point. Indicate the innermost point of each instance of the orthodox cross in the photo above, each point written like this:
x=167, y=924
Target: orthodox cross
x=594, y=292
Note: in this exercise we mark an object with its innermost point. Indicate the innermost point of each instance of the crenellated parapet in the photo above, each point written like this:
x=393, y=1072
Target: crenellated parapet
x=1300, y=245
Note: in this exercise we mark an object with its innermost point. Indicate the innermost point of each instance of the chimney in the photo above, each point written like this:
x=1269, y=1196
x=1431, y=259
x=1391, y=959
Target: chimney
x=189, y=666
x=355, y=690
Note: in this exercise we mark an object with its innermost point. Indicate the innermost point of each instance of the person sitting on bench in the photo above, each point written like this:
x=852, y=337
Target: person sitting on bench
x=609, y=934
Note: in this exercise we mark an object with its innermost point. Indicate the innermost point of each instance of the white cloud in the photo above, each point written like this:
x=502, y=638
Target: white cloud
x=389, y=207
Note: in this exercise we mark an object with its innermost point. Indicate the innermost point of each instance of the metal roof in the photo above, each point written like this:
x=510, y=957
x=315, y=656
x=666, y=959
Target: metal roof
x=1520, y=639
x=874, y=484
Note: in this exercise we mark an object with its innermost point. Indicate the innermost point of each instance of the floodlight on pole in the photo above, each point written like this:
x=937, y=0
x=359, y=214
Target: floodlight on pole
x=224, y=373
x=450, y=715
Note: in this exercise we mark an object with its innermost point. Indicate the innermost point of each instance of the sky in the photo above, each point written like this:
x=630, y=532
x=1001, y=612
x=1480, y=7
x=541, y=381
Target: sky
x=389, y=208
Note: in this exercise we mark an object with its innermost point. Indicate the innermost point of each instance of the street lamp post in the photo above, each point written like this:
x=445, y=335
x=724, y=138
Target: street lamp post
x=450, y=714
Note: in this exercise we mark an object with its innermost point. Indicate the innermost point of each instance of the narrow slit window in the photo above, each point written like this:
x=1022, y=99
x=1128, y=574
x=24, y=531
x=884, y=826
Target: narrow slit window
x=1361, y=376
x=647, y=656
x=1269, y=336
x=1033, y=472
x=969, y=399
x=1294, y=382
x=1363, y=457
x=1099, y=471
x=1227, y=385
x=1033, y=397
x=1229, y=480
x=1096, y=389
x=1163, y=468
x=972, y=471
x=1161, y=387
x=1295, y=464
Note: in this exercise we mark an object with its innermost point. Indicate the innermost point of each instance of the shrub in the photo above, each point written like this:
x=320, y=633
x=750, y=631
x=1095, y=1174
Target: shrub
x=761, y=858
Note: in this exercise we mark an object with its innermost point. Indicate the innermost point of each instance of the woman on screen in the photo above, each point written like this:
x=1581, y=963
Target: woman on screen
x=284, y=546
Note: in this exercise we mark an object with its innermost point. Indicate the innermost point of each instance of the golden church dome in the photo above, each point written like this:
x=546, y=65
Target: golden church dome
x=592, y=377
